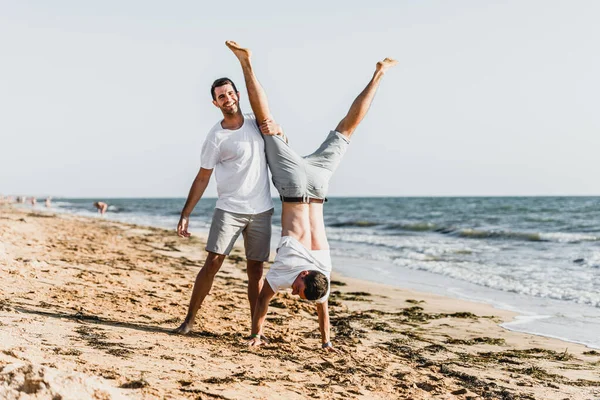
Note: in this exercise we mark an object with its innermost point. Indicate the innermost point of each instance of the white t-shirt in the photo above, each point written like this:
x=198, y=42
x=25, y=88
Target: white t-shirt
x=293, y=258
x=238, y=158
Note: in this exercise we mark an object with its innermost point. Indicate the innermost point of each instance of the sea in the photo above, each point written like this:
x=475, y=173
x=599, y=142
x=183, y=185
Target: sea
x=537, y=256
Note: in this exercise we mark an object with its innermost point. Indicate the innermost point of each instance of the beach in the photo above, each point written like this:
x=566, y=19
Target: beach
x=89, y=303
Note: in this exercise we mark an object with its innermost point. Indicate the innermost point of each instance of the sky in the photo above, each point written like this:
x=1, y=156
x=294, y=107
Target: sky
x=490, y=98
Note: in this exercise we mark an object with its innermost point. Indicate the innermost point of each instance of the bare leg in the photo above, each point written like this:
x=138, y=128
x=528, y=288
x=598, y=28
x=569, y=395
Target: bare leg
x=254, y=270
x=361, y=104
x=204, y=281
x=256, y=93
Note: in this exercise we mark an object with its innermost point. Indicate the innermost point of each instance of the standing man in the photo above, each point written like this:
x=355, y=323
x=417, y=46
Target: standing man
x=235, y=150
x=303, y=261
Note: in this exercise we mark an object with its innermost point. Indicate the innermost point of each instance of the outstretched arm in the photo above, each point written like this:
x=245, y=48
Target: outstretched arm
x=323, y=313
x=260, y=313
x=361, y=104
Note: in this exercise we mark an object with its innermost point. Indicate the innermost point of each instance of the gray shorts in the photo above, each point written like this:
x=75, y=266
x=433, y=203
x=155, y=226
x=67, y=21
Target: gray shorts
x=296, y=176
x=226, y=227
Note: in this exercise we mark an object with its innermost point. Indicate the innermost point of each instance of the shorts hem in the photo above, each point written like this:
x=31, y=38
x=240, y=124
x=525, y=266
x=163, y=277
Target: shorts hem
x=342, y=136
x=221, y=253
x=256, y=259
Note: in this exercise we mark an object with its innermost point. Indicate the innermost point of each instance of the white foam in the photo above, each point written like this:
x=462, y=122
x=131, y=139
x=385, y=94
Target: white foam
x=563, y=237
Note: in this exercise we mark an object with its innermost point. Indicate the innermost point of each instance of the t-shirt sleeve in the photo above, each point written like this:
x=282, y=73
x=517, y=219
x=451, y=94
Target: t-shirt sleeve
x=252, y=119
x=209, y=157
x=272, y=281
x=277, y=280
x=281, y=279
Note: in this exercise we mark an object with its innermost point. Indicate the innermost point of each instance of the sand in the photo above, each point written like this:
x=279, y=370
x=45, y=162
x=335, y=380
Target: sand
x=87, y=306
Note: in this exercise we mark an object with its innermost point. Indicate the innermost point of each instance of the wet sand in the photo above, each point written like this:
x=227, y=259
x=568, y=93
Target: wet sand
x=87, y=306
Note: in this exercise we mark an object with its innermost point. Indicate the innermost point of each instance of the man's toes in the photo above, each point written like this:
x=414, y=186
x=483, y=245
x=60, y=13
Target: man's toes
x=232, y=44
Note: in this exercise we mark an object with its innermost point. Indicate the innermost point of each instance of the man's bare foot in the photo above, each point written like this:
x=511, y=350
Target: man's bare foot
x=240, y=53
x=183, y=329
x=387, y=63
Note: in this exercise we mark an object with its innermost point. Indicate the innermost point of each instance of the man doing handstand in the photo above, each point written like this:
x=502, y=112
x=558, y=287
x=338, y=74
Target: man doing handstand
x=303, y=261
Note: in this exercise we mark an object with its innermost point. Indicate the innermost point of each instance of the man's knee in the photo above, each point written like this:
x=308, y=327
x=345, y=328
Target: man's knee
x=254, y=269
x=213, y=263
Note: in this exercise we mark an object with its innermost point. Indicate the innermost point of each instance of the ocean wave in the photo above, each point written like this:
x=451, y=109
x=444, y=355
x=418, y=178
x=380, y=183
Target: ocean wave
x=413, y=227
x=357, y=224
x=560, y=237
x=533, y=283
x=471, y=233
x=492, y=234
x=408, y=246
x=563, y=237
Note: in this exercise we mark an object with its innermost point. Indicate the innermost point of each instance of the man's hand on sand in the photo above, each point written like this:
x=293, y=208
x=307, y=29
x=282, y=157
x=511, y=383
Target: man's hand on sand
x=182, y=227
x=269, y=127
x=331, y=349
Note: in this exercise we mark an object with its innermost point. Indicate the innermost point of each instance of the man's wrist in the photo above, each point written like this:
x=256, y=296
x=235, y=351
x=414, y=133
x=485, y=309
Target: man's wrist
x=255, y=336
x=326, y=345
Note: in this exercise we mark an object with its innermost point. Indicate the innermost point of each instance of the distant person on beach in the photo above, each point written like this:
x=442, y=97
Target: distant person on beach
x=33, y=201
x=101, y=206
x=48, y=202
x=235, y=150
x=303, y=261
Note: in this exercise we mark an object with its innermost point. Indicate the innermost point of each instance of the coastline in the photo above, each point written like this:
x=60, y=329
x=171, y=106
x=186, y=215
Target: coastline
x=526, y=314
x=99, y=297
x=550, y=302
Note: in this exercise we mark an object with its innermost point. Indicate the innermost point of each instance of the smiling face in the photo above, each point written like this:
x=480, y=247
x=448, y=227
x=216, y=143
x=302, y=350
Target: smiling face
x=227, y=99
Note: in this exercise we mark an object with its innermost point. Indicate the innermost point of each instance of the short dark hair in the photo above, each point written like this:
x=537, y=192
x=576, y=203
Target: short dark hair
x=315, y=285
x=221, y=82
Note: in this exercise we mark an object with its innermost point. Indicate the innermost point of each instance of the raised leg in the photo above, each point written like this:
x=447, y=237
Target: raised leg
x=284, y=163
x=361, y=104
x=256, y=93
x=202, y=286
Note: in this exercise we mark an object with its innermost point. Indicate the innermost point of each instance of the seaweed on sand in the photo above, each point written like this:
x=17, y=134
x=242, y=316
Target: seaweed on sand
x=477, y=340
x=488, y=390
x=343, y=329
